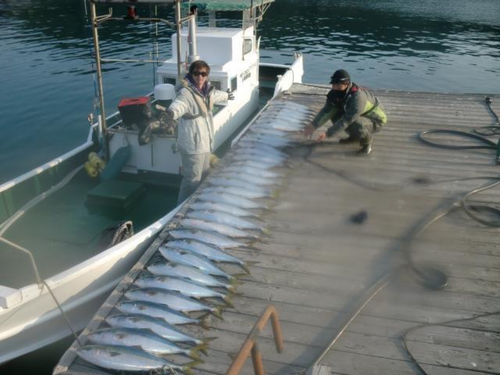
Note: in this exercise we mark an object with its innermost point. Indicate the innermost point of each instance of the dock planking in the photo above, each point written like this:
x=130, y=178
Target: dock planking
x=316, y=262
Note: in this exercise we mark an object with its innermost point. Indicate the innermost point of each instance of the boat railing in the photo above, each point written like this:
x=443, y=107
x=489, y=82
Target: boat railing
x=250, y=345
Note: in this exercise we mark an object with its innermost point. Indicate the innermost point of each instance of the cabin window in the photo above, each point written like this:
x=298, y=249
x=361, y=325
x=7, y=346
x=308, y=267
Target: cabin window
x=234, y=84
x=169, y=80
x=247, y=46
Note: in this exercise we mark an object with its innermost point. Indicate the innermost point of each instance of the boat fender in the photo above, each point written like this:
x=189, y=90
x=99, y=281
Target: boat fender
x=91, y=170
x=96, y=161
x=116, y=233
x=116, y=163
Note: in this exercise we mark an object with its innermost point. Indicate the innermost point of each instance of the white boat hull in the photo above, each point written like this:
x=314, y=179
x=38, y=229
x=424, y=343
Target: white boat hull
x=37, y=321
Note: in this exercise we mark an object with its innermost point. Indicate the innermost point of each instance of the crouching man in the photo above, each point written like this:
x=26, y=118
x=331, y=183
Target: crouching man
x=351, y=108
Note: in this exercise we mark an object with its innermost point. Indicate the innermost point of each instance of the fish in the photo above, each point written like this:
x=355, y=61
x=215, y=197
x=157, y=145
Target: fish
x=251, y=170
x=267, y=124
x=221, y=207
x=158, y=326
x=190, y=259
x=253, y=146
x=254, y=164
x=121, y=358
x=156, y=310
x=207, y=251
x=248, y=178
x=224, y=218
x=274, y=132
x=233, y=200
x=187, y=287
x=262, y=149
x=256, y=157
x=174, y=300
x=220, y=181
x=239, y=192
x=145, y=339
x=215, y=239
x=215, y=227
x=267, y=140
x=164, y=268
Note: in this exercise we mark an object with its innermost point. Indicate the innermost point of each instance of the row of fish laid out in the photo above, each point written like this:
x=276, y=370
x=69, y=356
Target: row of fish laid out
x=193, y=275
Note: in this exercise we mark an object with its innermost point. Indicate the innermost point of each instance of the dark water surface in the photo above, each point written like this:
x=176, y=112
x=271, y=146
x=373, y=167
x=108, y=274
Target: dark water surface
x=47, y=87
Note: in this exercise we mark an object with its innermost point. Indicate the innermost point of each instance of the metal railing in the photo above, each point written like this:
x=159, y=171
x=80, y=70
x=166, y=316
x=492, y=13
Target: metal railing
x=250, y=344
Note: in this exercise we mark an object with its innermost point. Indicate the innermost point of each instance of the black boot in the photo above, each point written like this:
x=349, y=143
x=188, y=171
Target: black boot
x=365, y=150
x=348, y=140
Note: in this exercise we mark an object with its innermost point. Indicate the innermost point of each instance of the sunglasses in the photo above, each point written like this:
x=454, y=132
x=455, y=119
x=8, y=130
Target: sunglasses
x=197, y=73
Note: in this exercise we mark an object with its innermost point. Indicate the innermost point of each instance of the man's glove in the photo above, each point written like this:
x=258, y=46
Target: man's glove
x=330, y=132
x=230, y=95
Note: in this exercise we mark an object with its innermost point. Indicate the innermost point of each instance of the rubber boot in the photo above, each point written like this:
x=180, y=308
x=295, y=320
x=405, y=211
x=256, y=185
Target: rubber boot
x=348, y=140
x=365, y=150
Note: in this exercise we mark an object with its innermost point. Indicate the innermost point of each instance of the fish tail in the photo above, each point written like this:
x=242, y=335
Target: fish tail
x=217, y=312
x=193, y=354
x=245, y=265
x=235, y=280
x=199, y=348
x=203, y=321
x=265, y=231
x=228, y=301
x=186, y=368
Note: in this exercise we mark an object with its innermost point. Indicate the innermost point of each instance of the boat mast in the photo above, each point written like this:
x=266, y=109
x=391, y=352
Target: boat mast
x=93, y=20
x=178, y=24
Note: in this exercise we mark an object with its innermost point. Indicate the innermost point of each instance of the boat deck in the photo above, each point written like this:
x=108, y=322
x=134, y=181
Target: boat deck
x=340, y=223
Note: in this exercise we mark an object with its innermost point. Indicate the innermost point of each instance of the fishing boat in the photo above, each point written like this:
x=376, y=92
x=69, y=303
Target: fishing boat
x=73, y=227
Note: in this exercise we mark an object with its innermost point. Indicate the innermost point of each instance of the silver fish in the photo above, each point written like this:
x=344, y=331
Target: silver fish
x=263, y=149
x=266, y=124
x=233, y=200
x=190, y=259
x=121, y=358
x=223, y=218
x=215, y=227
x=220, y=181
x=158, y=326
x=239, y=192
x=253, y=146
x=186, y=287
x=186, y=272
x=274, y=132
x=254, y=164
x=145, y=339
x=158, y=311
x=221, y=207
x=172, y=299
x=254, y=156
x=207, y=251
x=249, y=178
x=267, y=140
x=250, y=170
x=218, y=240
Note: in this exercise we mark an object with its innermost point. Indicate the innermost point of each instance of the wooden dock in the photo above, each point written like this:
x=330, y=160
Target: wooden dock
x=339, y=224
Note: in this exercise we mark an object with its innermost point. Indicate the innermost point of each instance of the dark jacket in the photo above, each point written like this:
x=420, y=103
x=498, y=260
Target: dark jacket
x=343, y=111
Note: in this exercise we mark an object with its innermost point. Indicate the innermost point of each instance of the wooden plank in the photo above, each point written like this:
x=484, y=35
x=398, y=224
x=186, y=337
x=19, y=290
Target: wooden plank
x=316, y=262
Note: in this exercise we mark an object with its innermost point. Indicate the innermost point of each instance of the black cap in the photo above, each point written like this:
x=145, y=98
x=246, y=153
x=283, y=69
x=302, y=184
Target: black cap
x=340, y=76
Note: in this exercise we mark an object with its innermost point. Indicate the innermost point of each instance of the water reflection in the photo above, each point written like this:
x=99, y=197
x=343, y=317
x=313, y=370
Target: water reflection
x=48, y=88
